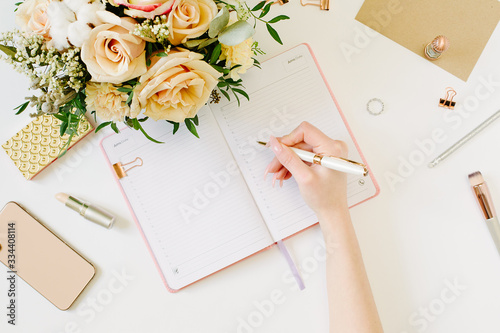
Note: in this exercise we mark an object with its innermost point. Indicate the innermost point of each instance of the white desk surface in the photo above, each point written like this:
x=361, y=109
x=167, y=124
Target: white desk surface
x=419, y=237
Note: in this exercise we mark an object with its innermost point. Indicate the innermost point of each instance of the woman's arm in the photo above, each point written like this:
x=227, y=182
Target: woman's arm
x=351, y=304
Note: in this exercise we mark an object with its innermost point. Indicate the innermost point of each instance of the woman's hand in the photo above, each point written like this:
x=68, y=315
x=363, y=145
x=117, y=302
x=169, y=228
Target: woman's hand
x=323, y=189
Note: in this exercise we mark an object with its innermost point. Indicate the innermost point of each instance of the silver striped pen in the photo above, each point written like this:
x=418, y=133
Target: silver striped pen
x=464, y=140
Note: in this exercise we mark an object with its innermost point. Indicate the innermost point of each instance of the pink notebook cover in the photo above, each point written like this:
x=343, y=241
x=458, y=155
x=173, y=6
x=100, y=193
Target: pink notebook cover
x=266, y=248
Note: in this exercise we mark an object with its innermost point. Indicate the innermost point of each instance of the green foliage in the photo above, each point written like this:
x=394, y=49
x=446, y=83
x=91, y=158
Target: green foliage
x=232, y=86
x=21, y=108
x=70, y=115
x=218, y=23
x=191, y=125
x=274, y=33
x=265, y=9
x=236, y=33
x=10, y=51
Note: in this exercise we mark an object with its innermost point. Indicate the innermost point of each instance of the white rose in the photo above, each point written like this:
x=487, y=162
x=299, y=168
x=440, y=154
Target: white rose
x=111, y=53
x=175, y=87
x=31, y=16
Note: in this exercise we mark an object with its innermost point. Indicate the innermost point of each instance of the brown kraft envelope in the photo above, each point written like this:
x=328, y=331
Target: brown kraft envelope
x=468, y=24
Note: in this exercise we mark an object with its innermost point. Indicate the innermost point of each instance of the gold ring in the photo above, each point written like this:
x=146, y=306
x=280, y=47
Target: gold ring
x=317, y=159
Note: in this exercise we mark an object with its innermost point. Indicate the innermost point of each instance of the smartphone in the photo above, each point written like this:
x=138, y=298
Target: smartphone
x=42, y=259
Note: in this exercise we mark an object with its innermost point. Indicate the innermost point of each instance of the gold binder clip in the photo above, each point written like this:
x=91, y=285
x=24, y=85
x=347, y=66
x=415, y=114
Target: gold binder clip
x=447, y=101
x=122, y=172
x=323, y=4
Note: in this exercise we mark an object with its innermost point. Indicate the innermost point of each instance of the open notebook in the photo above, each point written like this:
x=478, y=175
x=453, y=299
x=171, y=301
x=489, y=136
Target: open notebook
x=202, y=204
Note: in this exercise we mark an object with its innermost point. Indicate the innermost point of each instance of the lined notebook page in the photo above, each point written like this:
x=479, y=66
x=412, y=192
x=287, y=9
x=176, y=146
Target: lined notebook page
x=192, y=203
x=288, y=90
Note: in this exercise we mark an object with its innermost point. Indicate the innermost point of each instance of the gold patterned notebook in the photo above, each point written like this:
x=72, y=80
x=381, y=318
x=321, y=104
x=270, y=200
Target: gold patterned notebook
x=38, y=144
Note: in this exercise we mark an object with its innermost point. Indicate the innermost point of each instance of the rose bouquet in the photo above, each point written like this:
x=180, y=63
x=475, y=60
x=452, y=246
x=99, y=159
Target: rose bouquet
x=131, y=60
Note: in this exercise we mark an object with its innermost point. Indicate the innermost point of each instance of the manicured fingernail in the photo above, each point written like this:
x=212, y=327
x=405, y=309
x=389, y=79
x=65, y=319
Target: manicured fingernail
x=274, y=178
x=266, y=172
x=281, y=182
x=275, y=144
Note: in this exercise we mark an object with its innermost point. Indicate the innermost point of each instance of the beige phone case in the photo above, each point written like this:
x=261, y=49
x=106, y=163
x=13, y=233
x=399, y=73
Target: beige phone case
x=42, y=259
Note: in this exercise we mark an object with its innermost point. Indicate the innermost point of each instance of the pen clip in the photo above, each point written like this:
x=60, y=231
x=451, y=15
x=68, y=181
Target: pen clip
x=365, y=168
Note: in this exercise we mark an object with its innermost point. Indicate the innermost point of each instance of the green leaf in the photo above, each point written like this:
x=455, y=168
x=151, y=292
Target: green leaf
x=124, y=89
x=162, y=54
x=219, y=22
x=215, y=54
x=274, y=33
x=22, y=107
x=225, y=94
x=135, y=124
x=149, y=48
x=147, y=136
x=258, y=6
x=206, y=43
x=196, y=120
x=266, y=10
x=114, y=127
x=191, y=127
x=129, y=99
x=241, y=92
x=60, y=117
x=176, y=126
x=194, y=42
x=62, y=128
x=220, y=69
x=239, y=103
x=236, y=33
x=77, y=101
x=148, y=62
x=8, y=50
x=101, y=126
x=279, y=18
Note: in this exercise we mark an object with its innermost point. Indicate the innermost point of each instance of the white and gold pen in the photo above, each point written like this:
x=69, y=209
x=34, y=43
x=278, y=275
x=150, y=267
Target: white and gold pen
x=483, y=197
x=331, y=162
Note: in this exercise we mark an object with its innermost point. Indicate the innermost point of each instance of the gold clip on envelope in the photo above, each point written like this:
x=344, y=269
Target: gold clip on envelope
x=38, y=144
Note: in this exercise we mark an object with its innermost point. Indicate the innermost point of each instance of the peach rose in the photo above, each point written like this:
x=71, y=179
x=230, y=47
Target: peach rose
x=145, y=8
x=107, y=102
x=31, y=16
x=190, y=19
x=175, y=87
x=112, y=54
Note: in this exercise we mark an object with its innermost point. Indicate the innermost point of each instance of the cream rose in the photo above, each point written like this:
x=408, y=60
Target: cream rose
x=31, y=16
x=145, y=8
x=111, y=53
x=190, y=19
x=240, y=54
x=175, y=87
x=108, y=103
